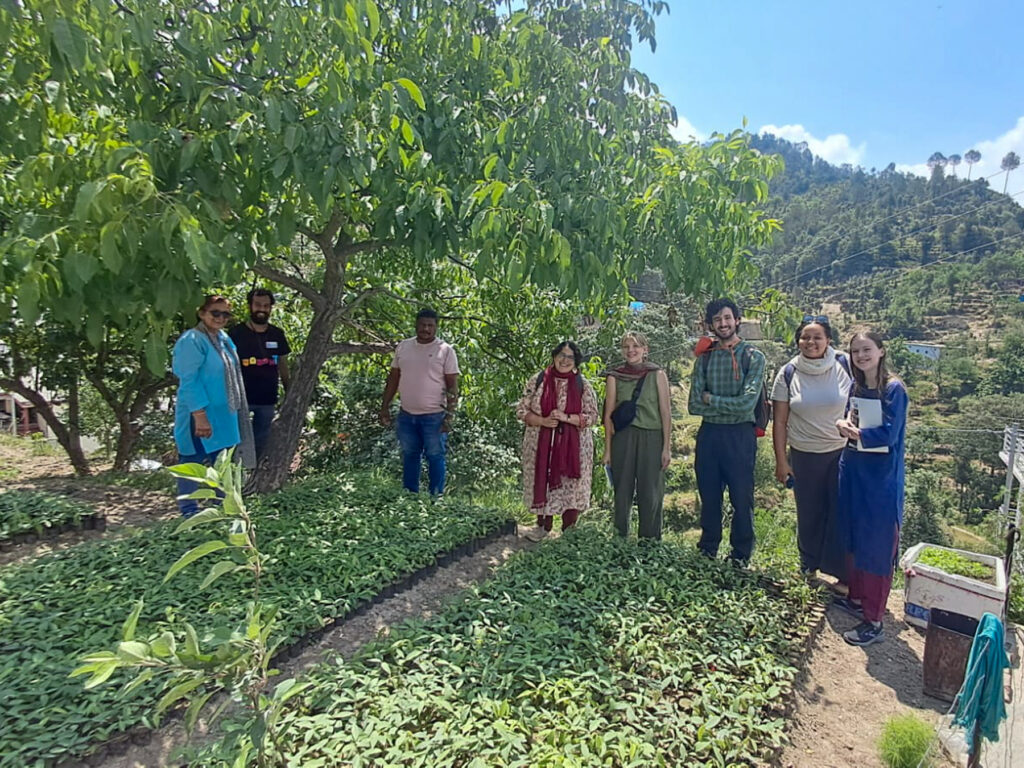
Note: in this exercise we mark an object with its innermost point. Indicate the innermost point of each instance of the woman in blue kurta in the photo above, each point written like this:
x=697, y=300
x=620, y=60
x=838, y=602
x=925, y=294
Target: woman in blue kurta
x=210, y=414
x=871, y=489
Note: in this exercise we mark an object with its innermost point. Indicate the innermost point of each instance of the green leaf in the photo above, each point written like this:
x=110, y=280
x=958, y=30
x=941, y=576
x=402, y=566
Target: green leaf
x=195, y=707
x=373, y=17
x=71, y=42
x=211, y=515
x=194, y=554
x=133, y=650
x=178, y=691
x=218, y=570
x=414, y=91
x=128, y=628
x=83, y=201
x=288, y=688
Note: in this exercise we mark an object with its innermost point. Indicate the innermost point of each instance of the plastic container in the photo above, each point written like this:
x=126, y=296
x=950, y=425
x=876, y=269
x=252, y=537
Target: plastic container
x=927, y=587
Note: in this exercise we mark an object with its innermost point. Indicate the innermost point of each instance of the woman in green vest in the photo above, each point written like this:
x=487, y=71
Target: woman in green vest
x=639, y=450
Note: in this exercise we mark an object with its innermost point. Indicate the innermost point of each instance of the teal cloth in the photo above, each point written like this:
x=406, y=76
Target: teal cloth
x=981, y=698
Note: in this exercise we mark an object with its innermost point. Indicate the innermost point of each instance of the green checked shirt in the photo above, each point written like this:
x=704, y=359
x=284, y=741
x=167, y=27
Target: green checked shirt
x=733, y=392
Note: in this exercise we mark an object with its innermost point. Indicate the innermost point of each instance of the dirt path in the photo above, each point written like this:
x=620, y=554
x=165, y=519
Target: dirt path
x=847, y=694
x=422, y=600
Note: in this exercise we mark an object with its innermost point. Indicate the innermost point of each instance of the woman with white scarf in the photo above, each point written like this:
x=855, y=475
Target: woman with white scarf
x=211, y=413
x=809, y=394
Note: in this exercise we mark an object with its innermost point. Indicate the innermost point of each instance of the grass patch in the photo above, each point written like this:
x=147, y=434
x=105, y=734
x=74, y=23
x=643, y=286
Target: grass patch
x=904, y=742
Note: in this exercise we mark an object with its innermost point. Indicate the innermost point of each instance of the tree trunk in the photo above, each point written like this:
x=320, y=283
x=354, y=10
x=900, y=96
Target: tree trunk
x=68, y=438
x=127, y=437
x=286, y=431
x=128, y=410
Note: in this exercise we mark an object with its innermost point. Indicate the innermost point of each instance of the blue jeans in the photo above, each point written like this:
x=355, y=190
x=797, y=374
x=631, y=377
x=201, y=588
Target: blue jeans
x=262, y=416
x=190, y=507
x=420, y=434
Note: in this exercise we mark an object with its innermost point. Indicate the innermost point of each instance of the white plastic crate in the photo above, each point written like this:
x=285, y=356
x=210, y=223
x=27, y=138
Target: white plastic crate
x=927, y=587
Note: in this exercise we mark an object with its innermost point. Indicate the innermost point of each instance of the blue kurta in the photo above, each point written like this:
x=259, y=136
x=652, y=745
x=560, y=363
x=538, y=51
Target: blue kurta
x=871, y=485
x=200, y=372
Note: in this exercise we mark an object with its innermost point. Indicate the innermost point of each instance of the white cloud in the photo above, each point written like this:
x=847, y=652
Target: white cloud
x=835, y=148
x=685, y=131
x=992, y=153
x=918, y=169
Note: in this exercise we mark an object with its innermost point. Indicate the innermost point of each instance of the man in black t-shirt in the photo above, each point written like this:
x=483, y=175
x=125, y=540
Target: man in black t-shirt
x=262, y=348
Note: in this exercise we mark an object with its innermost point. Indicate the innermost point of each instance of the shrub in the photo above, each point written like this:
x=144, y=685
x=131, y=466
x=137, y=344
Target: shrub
x=904, y=742
x=924, y=506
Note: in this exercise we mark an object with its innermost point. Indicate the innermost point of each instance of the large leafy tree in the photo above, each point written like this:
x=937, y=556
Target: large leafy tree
x=154, y=148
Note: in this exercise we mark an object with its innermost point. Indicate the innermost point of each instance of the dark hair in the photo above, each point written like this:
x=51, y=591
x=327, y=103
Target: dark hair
x=575, y=351
x=258, y=292
x=716, y=306
x=426, y=312
x=884, y=376
x=823, y=323
x=212, y=298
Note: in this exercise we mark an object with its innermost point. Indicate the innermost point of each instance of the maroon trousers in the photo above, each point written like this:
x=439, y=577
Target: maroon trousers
x=568, y=519
x=870, y=589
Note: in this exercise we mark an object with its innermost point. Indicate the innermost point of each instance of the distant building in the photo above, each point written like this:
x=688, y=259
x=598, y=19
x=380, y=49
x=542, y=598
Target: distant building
x=18, y=416
x=750, y=330
x=925, y=349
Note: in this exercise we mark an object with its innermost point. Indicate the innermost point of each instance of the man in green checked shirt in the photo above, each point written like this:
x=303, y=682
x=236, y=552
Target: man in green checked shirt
x=724, y=389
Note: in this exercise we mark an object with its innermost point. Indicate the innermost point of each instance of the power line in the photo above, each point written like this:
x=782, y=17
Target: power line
x=922, y=228
x=898, y=213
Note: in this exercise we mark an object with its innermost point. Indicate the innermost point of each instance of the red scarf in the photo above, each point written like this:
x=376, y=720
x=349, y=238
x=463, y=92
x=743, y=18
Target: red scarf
x=558, y=448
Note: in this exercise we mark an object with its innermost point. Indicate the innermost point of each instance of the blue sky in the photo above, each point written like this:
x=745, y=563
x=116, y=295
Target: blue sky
x=867, y=82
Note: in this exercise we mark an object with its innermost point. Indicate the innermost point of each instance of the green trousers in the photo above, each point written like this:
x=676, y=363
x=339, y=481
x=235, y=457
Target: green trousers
x=636, y=471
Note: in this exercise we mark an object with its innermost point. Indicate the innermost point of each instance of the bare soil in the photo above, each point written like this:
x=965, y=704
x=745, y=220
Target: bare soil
x=847, y=694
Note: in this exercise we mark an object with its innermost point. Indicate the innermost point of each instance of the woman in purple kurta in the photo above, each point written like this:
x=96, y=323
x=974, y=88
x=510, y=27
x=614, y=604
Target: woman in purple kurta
x=871, y=489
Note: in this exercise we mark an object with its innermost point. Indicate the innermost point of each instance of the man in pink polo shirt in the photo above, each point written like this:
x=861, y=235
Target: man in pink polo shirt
x=425, y=374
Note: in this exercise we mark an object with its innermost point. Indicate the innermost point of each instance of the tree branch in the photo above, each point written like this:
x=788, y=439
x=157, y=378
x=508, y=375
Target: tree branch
x=359, y=348
x=315, y=298
x=361, y=247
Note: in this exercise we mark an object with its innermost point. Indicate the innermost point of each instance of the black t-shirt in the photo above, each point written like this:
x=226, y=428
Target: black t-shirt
x=259, y=354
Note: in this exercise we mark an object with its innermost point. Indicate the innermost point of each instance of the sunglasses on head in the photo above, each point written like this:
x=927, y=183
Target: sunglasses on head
x=219, y=314
x=816, y=318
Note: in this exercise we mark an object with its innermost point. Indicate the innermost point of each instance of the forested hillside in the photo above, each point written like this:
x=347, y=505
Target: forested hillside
x=922, y=258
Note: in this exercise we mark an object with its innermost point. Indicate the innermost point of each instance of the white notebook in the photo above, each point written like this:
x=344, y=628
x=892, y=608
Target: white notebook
x=869, y=414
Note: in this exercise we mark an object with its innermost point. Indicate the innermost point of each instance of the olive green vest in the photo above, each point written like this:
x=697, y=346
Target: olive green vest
x=648, y=416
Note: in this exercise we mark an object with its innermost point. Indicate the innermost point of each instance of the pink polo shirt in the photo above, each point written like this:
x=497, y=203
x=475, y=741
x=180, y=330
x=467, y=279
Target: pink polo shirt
x=423, y=367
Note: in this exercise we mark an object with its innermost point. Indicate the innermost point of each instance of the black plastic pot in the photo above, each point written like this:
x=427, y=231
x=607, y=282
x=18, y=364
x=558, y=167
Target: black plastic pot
x=101, y=523
x=88, y=522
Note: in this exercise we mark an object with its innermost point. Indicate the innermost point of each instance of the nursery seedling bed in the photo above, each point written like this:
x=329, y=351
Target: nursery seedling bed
x=28, y=516
x=335, y=544
x=586, y=650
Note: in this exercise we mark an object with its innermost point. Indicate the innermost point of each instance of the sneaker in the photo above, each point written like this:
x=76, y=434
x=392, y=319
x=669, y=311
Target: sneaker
x=865, y=633
x=739, y=563
x=536, y=533
x=846, y=604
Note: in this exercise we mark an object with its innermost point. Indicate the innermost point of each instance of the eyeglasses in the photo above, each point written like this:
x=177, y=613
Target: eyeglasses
x=566, y=357
x=816, y=319
x=219, y=314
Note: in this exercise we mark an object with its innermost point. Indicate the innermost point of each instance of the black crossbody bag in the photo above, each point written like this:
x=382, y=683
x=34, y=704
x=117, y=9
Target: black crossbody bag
x=625, y=412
